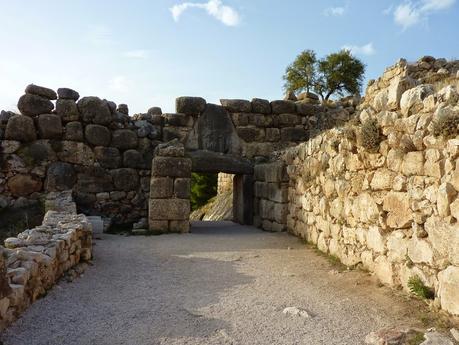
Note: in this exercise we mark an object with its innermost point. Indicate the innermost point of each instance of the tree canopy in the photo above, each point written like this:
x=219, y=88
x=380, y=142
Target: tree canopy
x=338, y=73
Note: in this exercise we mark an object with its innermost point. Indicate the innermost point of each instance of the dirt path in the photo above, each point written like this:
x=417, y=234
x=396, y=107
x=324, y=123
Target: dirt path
x=222, y=284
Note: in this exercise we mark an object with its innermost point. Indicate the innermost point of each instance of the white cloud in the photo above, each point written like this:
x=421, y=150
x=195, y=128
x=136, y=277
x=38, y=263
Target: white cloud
x=367, y=49
x=334, y=11
x=411, y=13
x=119, y=84
x=136, y=54
x=215, y=8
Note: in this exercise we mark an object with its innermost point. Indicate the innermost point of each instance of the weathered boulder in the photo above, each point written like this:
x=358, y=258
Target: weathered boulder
x=76, y=153
x=133, y=159
x=93, y=109
x=448, y=292
x=125, y=179
x=261, y=106
x=94, y=181
x=108, y=157
x=74, y=131
x=67, y=109
x=397, y=205
x=66, y=93
x=190, y=105
x=124, y=139
x=123, y=109
x=412, y=99
x=154, y=111
x=32, y=105
x=49, y=126
x=173, y=148
x=171, y=166
x=23, y=185
x=169, y=209
x=283, y=107
x=236, y=105
x=20, y=128
x=97, y=135
x=41, y=91
x=59, y=177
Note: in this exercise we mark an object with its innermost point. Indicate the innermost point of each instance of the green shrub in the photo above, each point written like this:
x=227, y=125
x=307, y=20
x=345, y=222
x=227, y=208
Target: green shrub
x=370, y=135
x=418, y=288
x=446, y=126
x=203, y=188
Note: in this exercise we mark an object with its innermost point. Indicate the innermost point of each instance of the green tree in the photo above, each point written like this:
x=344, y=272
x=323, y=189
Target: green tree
x=203, y=188
x=300, y=75
x=339, y=73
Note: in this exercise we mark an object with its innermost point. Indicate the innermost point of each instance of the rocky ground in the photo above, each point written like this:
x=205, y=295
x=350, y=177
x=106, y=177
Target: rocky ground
x=221, y=284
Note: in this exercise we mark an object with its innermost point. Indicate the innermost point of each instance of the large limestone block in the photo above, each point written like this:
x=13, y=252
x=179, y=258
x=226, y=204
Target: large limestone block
x=76, y=153
x=93, y=109
x=365, y=208
x=190, y=105
x=413, y=163
x=49, y=126
x=171, y=167
x=445, y=196
x=67, y=109
x=397, y=246
x=32, y=105
x=236, y=105
x=420, y=251
x=125, y=179
x=261, y=106
x=384, y=270
x=66, y=93
x=397, y=87
x=398, y=207
x=161, y=187
x=23, y=185
x=412, y=99
x=283, y=107
x=169, y=209
x=448, y=291
x=41, y=91
x=108, y=157
x=97, y=135
x=124, y=139
x=60, y=176
x=20, y=128
x=74, y=131
x=375, y=240
x=382, y=179
x=444, y=239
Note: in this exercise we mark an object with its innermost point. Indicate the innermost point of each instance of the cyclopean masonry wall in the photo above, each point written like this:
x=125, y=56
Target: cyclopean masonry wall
x=91, y=146
x=169, y=209
x=33, y=261
x=393, y=210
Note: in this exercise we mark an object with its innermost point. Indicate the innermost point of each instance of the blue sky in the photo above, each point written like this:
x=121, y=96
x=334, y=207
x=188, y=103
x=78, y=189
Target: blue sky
x=148, y=52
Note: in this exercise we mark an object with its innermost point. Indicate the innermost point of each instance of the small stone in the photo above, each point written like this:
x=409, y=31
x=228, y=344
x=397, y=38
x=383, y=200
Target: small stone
x=41, y=91
x=66, y=93
x=295, y=311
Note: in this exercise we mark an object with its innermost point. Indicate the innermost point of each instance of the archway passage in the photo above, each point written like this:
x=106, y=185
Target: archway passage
x=212, y=162
x=169, y=206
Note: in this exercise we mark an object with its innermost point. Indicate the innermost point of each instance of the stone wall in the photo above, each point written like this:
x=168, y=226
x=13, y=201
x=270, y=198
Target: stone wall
x=61, y=141
x=33, y=261
x=383, y=193
x=271, y=196
x=170, y=208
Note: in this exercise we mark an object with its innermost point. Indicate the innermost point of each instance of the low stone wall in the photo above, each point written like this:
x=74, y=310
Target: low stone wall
x=383, y=193
x=271, y=196
x=170, y=209
x=33, y=261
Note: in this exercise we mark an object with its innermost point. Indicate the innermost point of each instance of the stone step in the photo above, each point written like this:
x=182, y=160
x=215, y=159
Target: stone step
x=97, y=224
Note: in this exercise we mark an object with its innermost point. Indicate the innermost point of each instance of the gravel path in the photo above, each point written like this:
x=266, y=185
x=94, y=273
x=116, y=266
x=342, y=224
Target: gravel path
x=222, y=284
